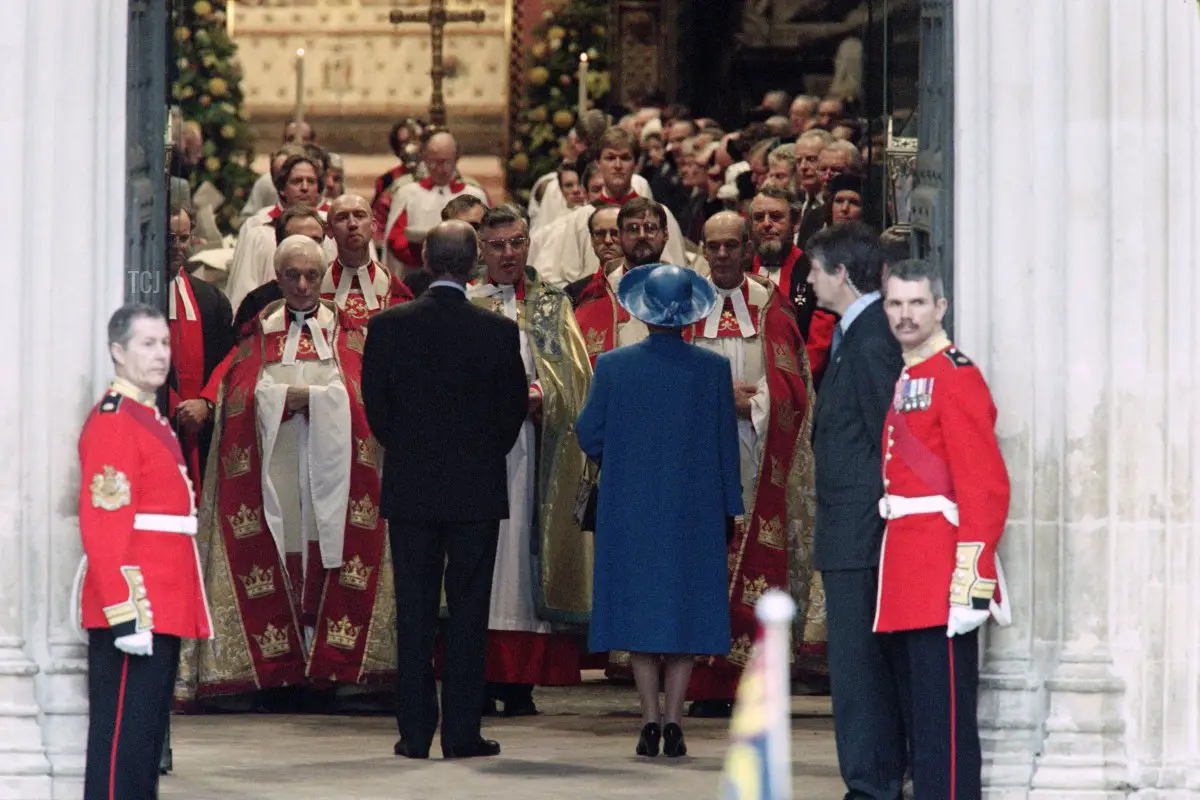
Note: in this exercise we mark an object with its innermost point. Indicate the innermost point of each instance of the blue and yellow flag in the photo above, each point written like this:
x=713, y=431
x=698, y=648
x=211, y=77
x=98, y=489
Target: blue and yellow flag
x=747, y=764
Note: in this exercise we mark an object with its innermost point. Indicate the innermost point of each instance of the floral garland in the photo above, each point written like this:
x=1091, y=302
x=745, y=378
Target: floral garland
x=551, y=88
x=209, y=93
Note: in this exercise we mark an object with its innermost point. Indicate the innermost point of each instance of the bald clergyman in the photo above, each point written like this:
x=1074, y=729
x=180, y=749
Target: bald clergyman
x=418, y=206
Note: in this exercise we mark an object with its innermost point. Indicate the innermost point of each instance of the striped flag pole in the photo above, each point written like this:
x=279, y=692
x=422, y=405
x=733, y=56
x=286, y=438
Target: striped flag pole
x=775, y=611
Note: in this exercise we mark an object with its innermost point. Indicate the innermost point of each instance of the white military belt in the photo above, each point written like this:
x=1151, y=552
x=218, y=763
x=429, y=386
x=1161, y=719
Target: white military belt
x=893, y=506
x=165, y=523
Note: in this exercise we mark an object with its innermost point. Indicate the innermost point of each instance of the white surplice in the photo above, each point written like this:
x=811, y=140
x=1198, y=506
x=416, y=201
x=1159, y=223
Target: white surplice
x=512, y=607
x=747, y=364
x=305, y=460
x=567, y=254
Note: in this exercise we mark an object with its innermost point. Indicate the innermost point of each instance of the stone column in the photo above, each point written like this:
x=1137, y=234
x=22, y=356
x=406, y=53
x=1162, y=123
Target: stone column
x=1077, y=163
x=1007, y=209
x=62, y=123
x=1084, y=753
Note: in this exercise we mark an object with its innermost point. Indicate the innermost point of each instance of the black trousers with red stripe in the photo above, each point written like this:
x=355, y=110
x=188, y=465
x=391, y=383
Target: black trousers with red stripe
x=130, y=699
x=939, y=680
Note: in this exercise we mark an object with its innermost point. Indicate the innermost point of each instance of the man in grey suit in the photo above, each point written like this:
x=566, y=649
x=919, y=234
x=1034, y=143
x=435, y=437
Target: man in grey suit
x=865, y=363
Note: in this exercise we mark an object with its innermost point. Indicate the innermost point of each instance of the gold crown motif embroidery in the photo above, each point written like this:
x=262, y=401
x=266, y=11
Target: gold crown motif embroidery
x=364, y=513
x=260, y=582
x=236, y=461
x=273, y=642
x=771, y=533
x=342, y=634
x=365, y=450
x=778, y=475
x=236, y=403
x=355, y=574
x=595, y=341
x=785, y=359
x=740, y=652
x=752, y=590
x=785, y=411
x=246, y=522
x=354, y=339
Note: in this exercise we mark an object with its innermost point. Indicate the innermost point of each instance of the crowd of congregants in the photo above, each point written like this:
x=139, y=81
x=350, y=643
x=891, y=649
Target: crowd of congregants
x=267, y=384
x=632, y=191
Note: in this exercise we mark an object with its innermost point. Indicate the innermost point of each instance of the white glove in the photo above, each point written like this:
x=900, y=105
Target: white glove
x=136, y=644
x=965, y=620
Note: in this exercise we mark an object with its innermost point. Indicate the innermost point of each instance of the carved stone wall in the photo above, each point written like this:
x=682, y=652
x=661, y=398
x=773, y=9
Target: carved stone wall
x=362, y=73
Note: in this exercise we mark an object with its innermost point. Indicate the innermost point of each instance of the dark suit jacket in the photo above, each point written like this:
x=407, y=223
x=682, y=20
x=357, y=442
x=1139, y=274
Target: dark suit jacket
x=445, y=393
x=217, y=328
x=813, y=221
x=847, y=438
x=256, y=301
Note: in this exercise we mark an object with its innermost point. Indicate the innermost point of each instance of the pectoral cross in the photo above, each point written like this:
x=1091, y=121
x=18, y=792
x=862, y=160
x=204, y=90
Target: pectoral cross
x=436, y=17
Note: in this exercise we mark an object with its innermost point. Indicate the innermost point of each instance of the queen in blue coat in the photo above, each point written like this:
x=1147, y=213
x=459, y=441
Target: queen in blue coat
x=660, y=419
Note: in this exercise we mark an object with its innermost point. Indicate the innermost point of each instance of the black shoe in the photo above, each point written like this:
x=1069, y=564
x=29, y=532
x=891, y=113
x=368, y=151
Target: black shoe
x=521, y=708
x=404, y=748
x=480, y=748
x=648, y=741
x=673, y=744
x=711, y=709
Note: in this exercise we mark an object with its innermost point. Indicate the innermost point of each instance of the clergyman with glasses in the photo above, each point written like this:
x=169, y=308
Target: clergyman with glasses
x=642, y=234
x=523, y=647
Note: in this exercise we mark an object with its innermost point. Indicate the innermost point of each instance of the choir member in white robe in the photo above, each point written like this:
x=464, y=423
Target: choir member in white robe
x=417, y=206
x=568, y=256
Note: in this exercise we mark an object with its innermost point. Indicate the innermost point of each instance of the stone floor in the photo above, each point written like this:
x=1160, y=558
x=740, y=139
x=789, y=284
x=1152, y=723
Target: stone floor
x=579, y=748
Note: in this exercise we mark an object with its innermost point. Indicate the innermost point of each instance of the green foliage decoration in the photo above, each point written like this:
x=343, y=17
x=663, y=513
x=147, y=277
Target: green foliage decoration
x=208, y=90
x=551, y=86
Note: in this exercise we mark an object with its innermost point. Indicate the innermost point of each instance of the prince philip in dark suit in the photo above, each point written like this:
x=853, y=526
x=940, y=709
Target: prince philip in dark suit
x=445, y=394
x=852, y=404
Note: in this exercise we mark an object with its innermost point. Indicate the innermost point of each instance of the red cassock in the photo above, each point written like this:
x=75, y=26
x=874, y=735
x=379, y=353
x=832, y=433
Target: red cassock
x=947, y=495
x=137, y=518
x=381, y=203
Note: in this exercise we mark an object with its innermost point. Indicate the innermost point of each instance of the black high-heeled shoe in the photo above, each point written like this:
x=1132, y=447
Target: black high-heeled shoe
x=648, y=742
x=673, y=744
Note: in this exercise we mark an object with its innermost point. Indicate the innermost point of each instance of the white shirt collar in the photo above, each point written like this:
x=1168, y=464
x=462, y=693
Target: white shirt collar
x=451, y=284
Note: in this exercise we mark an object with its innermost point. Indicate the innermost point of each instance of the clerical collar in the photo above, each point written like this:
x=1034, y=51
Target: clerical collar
x=927, y=350
x=606, y=200
x=133, y=392
x=455, y=185
x=367, y=262
x=735, y=300
x=300, y=317
x=518, y=287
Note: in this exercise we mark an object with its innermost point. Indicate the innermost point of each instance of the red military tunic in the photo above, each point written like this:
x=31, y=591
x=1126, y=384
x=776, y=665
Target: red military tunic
x=947, y=494
x=137, y=518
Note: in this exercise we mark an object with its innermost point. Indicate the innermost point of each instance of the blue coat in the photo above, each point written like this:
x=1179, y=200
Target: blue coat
x=661, y=416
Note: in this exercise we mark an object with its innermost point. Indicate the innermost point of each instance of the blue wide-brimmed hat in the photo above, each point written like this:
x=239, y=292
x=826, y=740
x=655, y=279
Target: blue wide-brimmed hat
x=666, y=295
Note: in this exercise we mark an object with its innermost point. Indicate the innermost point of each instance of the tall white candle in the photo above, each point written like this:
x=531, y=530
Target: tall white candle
x=583, y=70
x=299, y=89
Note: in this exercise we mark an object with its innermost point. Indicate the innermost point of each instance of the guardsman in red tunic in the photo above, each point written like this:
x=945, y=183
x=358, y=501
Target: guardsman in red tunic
x=142, y=591
x=946, y=501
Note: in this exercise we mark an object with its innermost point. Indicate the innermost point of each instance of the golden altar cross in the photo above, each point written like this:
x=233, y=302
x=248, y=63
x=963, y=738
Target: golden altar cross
x=436, y=17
